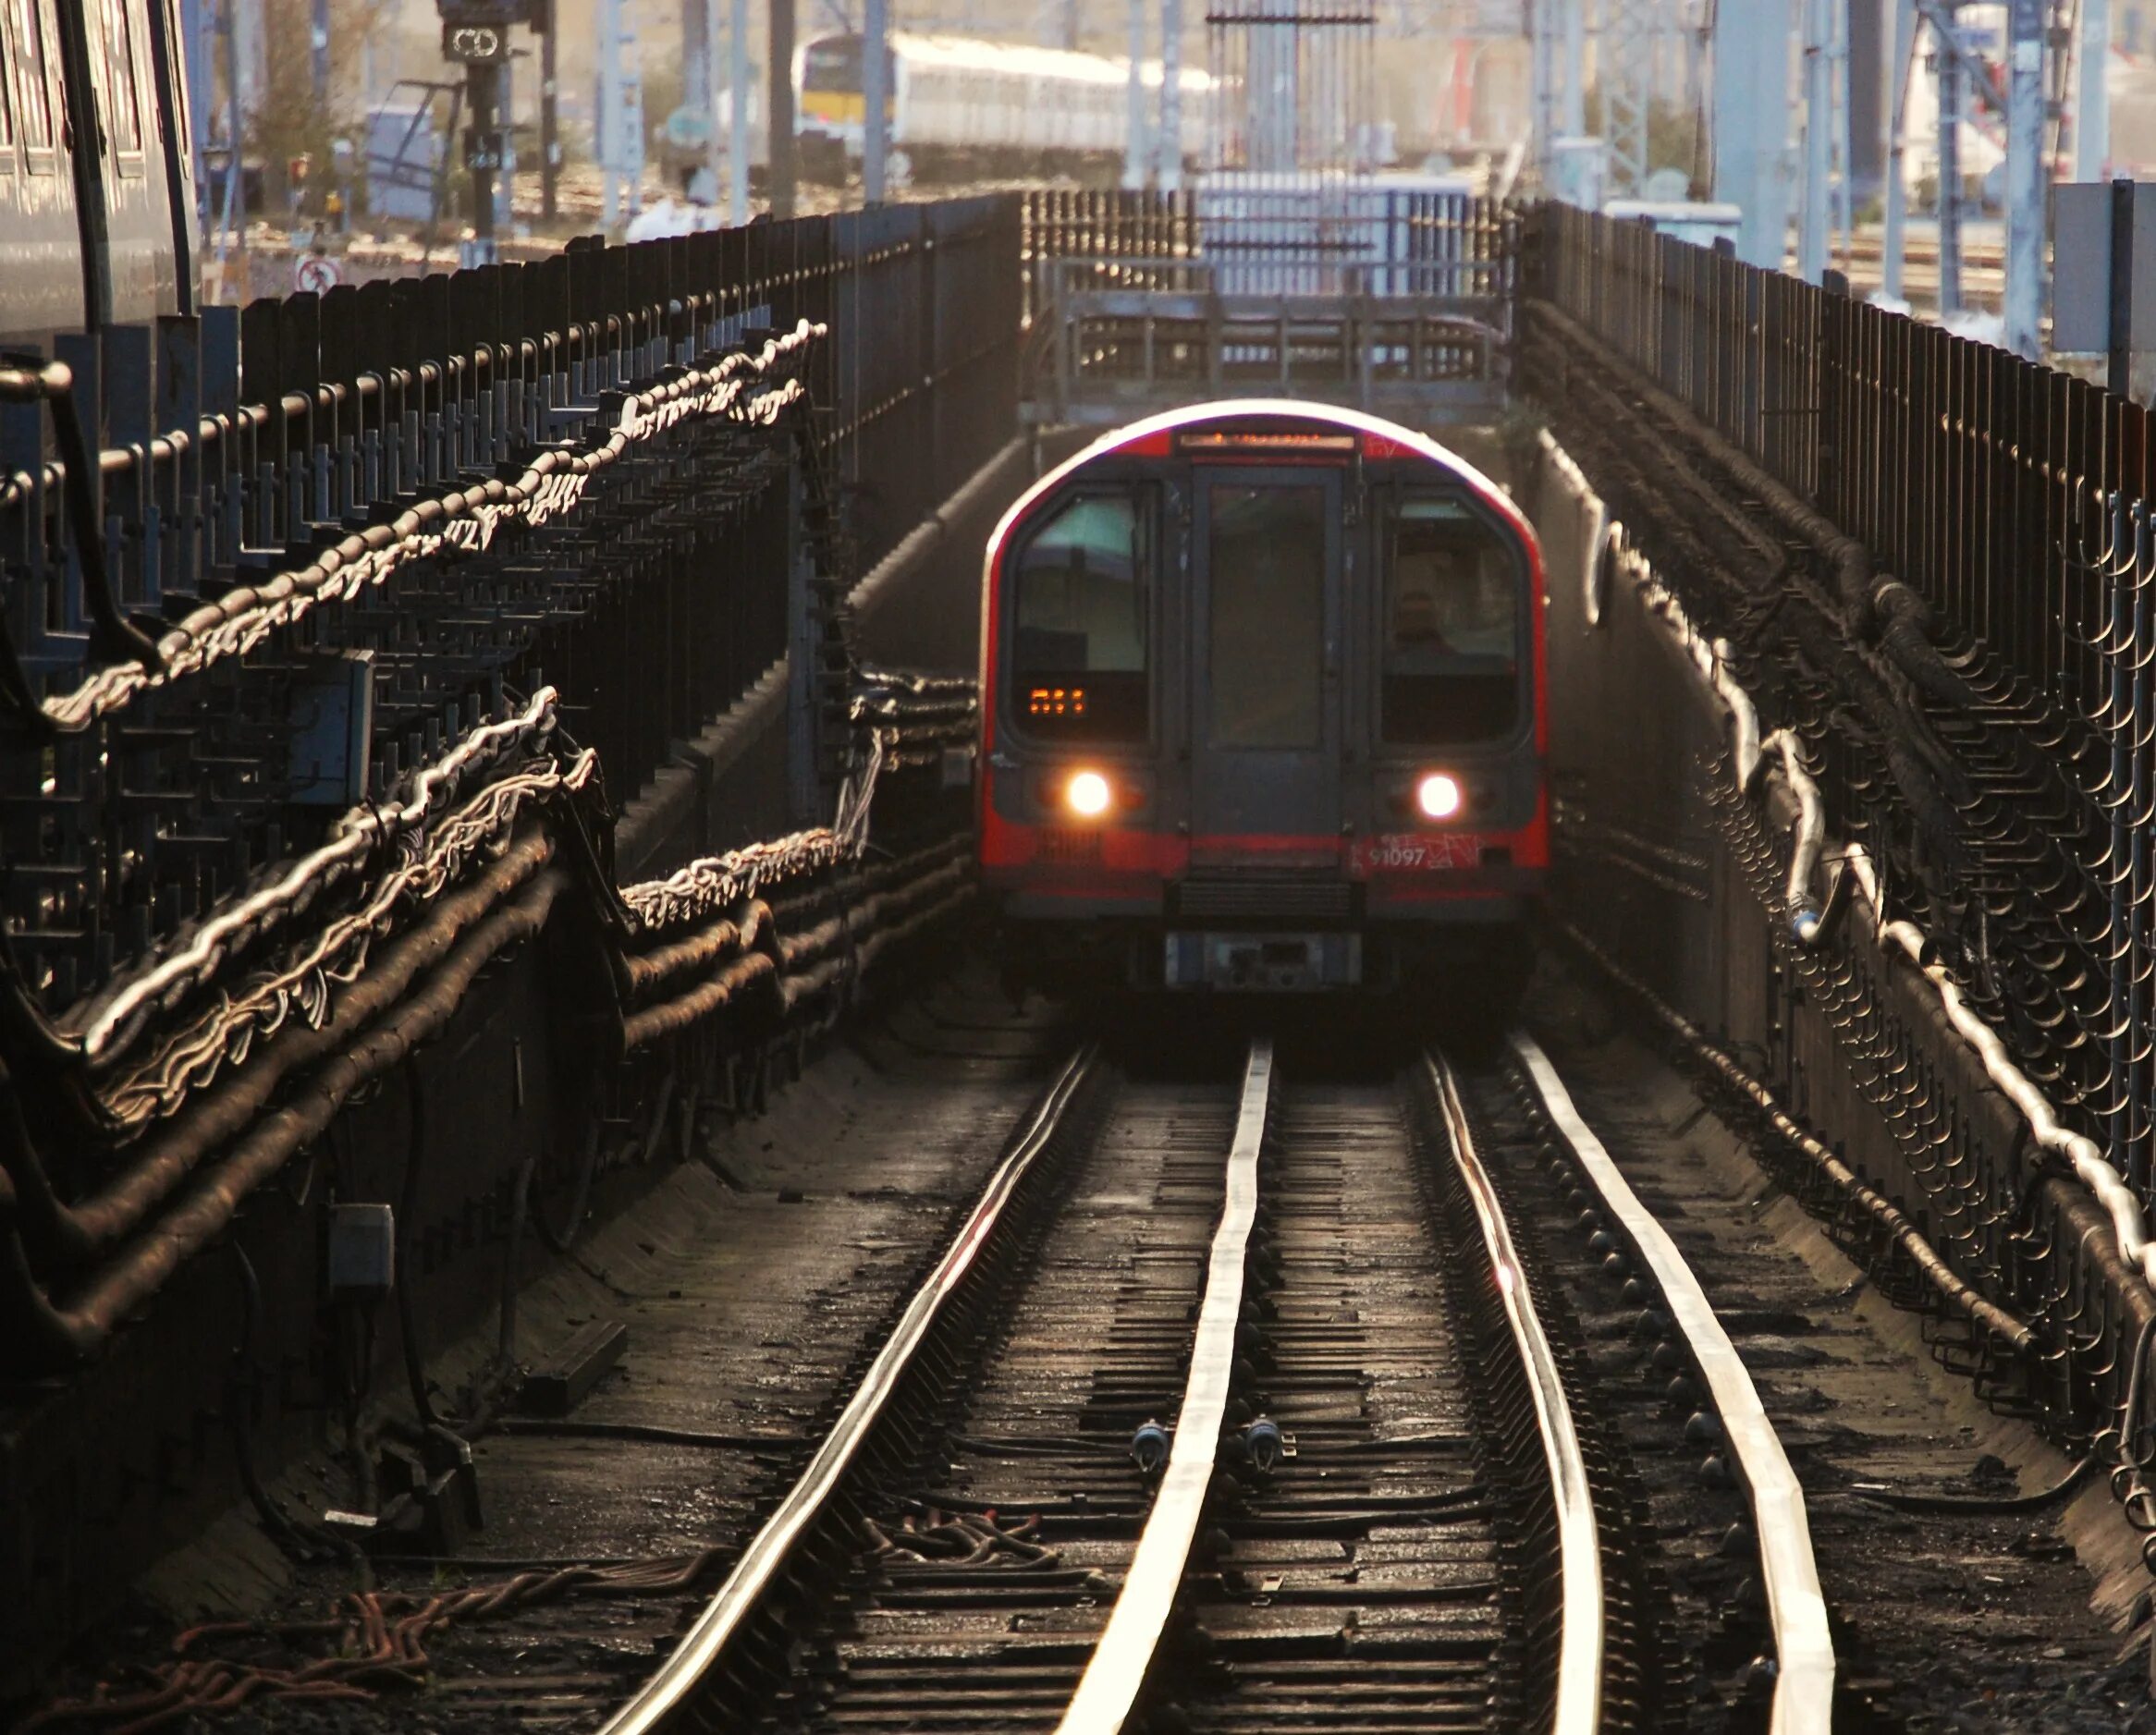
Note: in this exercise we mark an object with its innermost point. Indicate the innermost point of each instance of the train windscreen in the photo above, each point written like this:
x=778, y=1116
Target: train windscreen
x=1081, y=604
x=833, y=63
x=1453, y=626
x=1266, y=557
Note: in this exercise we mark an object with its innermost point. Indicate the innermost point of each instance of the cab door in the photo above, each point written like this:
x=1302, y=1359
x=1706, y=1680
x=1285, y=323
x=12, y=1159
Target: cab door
x=1265, y=726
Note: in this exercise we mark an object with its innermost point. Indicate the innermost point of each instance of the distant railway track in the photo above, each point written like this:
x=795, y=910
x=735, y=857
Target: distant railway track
x=1248, y=1399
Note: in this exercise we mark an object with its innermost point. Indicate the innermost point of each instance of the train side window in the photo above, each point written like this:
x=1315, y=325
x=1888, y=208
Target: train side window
x=122, y=79
x=7, y=100
x=171, y=106
x=1080, y=613
x=1450, y=656
x=34, y=75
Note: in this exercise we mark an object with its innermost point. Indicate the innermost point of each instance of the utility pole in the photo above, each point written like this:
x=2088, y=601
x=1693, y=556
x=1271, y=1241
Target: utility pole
x=697, y=45
x=1571, y=107
x=483, y=91
x=476, y=33
x=1844, y=211
x=778, y=108
x=1818, y=121
x=696, y=53
x=321, y=46
x=233, y=227
x=1751, y=124
x=1171, y=164
x=194, y=32
x=1625, y=64
x=251, y=43
x=1135, y=146
x=876, y=121
x=2025, y=175
x=549, y=114
x=1542, y=118
x=2092, y=113
x=1948, y=45
x=737, y=145
x=2119, y=338
x=620, y=120
x=711, y=146
x=1893, y=253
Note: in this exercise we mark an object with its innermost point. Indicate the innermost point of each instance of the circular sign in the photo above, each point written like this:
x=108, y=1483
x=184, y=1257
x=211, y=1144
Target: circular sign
x=689, y=129
x=315, y=273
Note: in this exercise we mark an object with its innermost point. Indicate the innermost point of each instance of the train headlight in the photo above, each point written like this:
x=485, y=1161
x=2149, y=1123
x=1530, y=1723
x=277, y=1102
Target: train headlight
x=1438, y=795
x=1088, y=794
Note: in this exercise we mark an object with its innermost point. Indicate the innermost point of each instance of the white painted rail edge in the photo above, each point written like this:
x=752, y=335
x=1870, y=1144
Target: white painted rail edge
x=666, y=1692
x=1579, y=1650
x=2083, y=1154
x=1804, y=1648
x=1109, y=1687
x=1600, y=531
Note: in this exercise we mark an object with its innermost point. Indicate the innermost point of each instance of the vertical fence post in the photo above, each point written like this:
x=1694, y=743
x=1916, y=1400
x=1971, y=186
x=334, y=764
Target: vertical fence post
x=2120, y=338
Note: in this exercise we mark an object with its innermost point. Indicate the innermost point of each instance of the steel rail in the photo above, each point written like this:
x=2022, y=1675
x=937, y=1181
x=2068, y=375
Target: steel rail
x=1581, y=1644
x=1116, y=1674
x=1803, y=1647
x=669, y=1691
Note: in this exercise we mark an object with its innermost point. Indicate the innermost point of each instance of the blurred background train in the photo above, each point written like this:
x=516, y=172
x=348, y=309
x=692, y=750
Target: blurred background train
x=960, y=106
x=1263, y=711
x=97, y=201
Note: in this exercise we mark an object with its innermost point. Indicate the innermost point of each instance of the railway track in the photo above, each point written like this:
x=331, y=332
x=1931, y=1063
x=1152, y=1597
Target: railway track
x=1237, y=1401
x=1241, y=1396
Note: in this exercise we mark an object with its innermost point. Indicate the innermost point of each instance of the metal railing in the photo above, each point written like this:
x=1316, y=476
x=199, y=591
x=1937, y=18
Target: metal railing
x=326, y=536
x=1347, y=291
x=1987, y=531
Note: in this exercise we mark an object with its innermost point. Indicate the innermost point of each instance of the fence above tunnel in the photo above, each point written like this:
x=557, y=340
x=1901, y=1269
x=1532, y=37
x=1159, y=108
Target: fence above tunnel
x=1352, y=291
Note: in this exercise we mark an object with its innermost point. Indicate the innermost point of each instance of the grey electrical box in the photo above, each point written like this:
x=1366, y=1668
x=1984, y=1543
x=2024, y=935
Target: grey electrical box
x=331, y=729
x=2081, y=269
x=362, y=1249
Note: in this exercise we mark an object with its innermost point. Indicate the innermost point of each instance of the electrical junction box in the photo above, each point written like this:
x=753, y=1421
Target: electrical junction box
x=332, y=729
x=362, y=1249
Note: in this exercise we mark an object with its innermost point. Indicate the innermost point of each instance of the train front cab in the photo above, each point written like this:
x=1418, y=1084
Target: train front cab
x=1262, y=712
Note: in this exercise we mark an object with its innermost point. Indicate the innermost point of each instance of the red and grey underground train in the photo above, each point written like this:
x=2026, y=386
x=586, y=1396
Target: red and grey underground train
x=1262, y=710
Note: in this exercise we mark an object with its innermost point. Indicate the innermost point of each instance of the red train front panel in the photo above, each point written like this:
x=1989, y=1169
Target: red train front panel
x=1262, y=710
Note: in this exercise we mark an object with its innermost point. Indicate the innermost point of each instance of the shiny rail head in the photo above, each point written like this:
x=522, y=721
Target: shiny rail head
x=667, y=1697
x=1581, y=1644
x=1803, y=1647
x=1109, y=1691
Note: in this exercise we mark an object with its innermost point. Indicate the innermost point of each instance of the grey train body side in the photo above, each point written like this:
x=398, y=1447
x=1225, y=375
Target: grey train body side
x=97, y=197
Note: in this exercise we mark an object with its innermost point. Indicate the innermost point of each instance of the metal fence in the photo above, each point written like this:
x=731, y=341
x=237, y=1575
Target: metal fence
x=1256, y=235
x=323, y=537
x=2019, y=505
x=1347, y=291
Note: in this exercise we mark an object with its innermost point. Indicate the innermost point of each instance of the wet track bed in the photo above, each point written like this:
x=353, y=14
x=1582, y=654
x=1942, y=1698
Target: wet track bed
x=1360, y=1587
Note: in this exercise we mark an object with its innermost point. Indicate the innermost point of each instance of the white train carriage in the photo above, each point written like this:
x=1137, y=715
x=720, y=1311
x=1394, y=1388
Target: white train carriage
x=957, y=103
